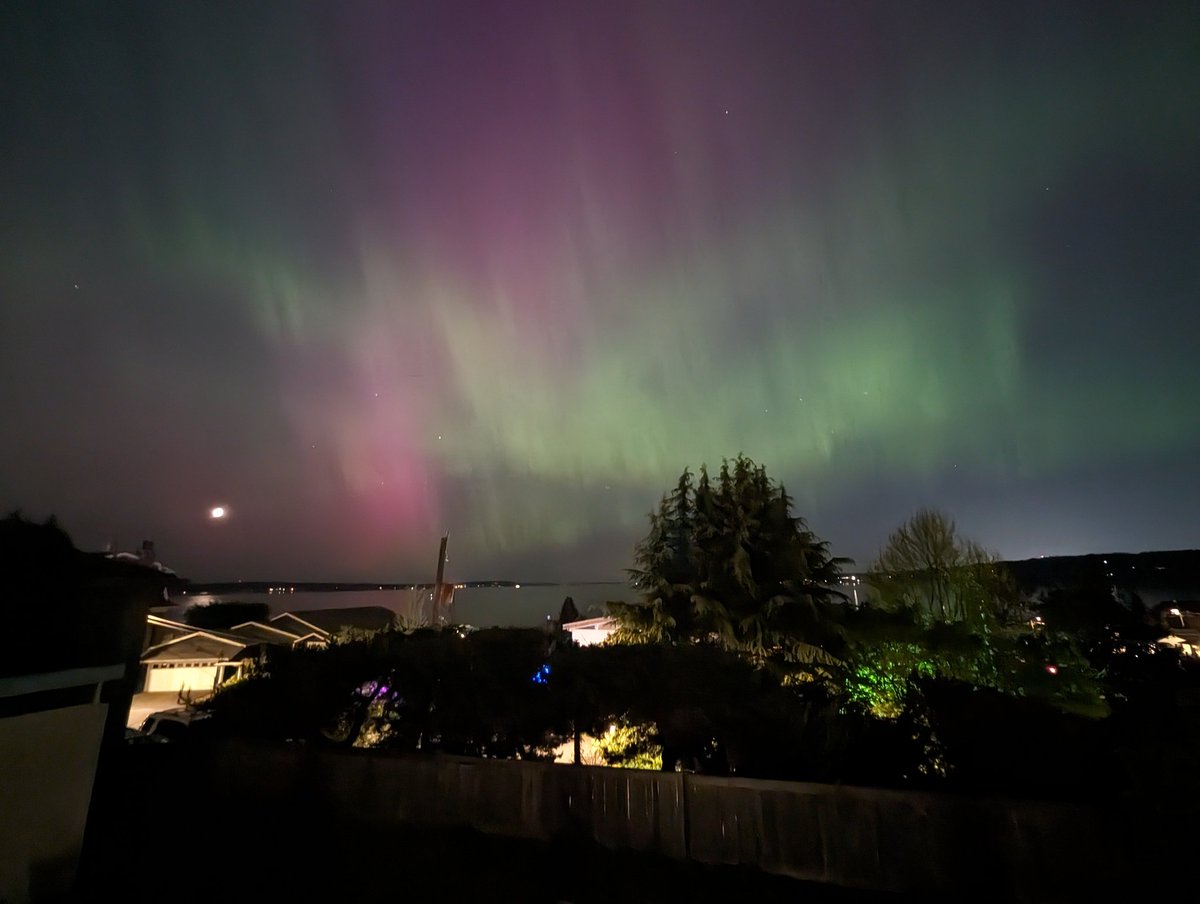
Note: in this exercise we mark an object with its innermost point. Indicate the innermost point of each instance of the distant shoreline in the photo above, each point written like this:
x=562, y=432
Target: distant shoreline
x=219, y=587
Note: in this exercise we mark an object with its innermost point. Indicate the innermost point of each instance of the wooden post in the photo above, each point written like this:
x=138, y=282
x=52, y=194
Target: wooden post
x=442, y=600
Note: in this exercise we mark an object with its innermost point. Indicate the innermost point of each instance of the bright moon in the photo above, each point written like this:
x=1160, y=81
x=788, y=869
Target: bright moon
x=217, y=512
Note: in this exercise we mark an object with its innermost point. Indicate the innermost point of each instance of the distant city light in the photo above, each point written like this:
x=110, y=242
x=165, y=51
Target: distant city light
x=217, y=512
x=1052, y=669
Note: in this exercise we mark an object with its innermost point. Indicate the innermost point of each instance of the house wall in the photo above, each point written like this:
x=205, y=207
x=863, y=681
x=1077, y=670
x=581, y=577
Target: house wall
x=592, y=634
x=47, y=767
x=166, y=678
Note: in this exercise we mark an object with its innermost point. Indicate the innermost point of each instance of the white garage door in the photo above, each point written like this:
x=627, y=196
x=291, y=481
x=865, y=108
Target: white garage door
x=194, y=678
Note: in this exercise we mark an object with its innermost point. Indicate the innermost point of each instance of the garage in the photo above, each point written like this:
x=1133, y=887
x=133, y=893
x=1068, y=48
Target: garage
x=195, y=662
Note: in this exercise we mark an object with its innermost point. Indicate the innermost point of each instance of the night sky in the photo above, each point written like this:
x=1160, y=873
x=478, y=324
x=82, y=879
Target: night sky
x=367, y=272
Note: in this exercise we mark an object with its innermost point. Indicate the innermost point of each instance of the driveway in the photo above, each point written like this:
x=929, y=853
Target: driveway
x=144, y=704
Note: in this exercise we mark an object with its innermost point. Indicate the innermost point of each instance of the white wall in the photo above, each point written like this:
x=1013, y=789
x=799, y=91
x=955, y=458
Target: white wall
x=593, y=634
x=47, y=764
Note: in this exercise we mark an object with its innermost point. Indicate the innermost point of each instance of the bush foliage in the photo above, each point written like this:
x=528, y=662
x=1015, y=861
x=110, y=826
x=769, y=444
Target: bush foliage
x=742, y=656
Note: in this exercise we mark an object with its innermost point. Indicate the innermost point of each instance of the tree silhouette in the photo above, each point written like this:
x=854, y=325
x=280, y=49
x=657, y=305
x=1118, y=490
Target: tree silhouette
x=927, y=567
x=226, y=614
x=569, y=612
x=726, y=562
x=948, y=609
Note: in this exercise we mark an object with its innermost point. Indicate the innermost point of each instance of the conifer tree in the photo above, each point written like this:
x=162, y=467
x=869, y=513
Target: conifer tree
x=726, y=562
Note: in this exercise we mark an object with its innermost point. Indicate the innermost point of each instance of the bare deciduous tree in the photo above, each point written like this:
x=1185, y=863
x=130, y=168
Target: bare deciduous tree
x=928, y=567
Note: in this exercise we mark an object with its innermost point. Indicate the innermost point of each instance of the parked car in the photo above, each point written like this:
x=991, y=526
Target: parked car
x=137, y=736
x=173, y=724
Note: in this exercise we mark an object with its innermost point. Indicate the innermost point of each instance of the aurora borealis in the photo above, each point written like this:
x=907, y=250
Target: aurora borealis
x=366, y=272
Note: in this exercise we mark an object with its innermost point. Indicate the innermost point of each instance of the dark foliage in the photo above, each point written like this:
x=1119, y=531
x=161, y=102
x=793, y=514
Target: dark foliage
x=476, y=695
x=472, y=694
x=569, y=612
x=67, y=608
x=225, y=615
x=712, y=711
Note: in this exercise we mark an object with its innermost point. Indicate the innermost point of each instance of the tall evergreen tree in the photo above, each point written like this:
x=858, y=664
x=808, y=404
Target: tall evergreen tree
x=726, y=562
x=662, y=570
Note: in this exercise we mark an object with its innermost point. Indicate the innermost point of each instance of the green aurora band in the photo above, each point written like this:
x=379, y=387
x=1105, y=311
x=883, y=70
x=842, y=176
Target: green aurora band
x=880, y=270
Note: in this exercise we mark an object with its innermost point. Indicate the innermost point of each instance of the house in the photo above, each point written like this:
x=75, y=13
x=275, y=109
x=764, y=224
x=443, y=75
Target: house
x=588, y=631
x=146, y=557
x=1182, y=619
x=183, y=658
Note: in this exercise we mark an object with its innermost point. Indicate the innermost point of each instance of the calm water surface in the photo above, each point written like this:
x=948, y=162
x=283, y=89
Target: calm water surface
x=481, y=606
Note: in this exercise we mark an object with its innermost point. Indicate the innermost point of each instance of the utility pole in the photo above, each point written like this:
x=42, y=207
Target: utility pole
x=443, y=594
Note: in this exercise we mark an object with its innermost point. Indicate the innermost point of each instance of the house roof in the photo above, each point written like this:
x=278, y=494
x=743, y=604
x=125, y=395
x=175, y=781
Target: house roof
x=327, y=621
x=261, y=633
x=287, y=629
x=294, y=623
x=586, y=624
x=316, y=637
x=139, y=560
x=183, y=629
x=200, y=646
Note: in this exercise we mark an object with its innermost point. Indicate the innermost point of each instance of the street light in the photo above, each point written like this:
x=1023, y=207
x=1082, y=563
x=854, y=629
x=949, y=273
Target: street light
x=853, y=581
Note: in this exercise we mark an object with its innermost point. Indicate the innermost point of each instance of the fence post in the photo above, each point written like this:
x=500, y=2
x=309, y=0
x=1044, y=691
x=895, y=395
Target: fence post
x=687, y=817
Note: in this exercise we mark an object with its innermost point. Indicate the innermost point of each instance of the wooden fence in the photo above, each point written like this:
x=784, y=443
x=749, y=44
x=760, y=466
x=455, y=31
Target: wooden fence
x=856, y=837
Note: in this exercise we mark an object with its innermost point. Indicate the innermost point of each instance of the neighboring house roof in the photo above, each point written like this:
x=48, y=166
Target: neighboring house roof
x=292, y=622
x=264, y=633
x=287, y=629
x=200, y=646
x=328, y=621
x=139, y=560
x=153, y=619
x=182, y=628
x=314, y=638
x=585, y=624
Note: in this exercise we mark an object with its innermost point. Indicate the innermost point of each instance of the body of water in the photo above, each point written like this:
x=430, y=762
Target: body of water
x=526, y=605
